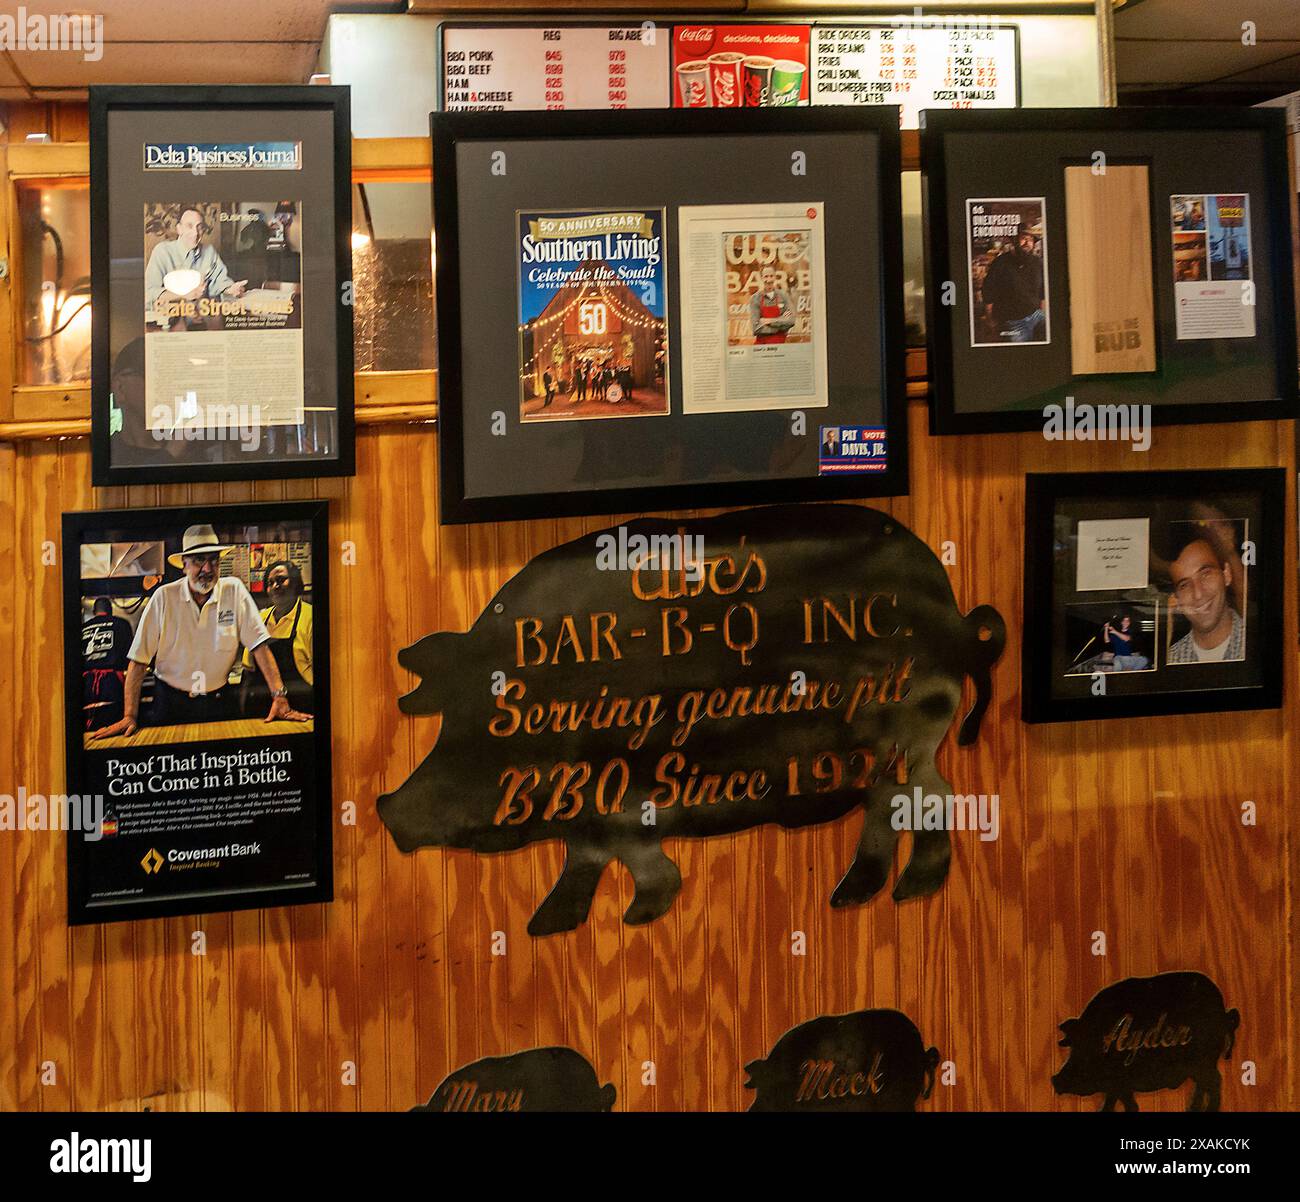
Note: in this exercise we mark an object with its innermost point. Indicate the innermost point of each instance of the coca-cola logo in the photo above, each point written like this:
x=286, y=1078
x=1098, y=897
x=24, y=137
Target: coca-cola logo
x=696, y=35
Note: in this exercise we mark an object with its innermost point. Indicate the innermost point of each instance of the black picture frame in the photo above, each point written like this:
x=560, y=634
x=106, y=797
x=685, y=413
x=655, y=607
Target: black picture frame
x=947, y=263
x=286, y=99
x=449, y=130
x=1045, y=493
x=314, y=513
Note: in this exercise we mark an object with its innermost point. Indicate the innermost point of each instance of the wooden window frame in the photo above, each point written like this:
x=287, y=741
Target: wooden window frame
x=51, y=410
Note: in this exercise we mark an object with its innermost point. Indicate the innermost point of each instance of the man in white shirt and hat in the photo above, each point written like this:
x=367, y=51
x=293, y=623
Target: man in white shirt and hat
x=193, y=631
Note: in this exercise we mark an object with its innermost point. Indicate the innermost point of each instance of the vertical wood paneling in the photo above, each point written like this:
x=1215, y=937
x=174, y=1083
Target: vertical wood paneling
x=1130, y=828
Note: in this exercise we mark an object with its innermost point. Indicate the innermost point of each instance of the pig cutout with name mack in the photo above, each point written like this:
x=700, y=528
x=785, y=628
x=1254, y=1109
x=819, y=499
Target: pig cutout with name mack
x=870, y=1060
x=541, y=1080
x=786, y=665
x=1148, y=1033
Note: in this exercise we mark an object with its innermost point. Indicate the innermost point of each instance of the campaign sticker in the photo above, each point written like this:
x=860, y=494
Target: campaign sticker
x=852, y=449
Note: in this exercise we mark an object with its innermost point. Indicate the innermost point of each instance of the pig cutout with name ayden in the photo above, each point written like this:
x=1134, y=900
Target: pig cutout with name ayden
x=539, y=1080
x=781, y=665
x=871, y=1060
x=1147, y=1033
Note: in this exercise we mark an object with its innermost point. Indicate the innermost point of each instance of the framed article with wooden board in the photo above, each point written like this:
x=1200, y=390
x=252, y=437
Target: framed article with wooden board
x=1083, y=258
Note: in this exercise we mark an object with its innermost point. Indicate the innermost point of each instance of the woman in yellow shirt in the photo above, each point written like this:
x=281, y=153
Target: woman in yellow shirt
x=288, y=621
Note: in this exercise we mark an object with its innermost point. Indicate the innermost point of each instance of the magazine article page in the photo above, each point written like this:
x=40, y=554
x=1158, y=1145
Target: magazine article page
x=753, y=307
x=217, y=336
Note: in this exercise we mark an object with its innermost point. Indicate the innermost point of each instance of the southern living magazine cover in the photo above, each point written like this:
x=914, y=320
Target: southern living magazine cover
x=593, y=340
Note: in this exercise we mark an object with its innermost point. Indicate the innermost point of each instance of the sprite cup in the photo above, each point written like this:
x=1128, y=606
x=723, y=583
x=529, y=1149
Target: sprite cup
x=787, y=81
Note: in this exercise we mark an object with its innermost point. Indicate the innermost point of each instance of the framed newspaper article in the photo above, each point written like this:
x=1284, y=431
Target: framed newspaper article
x=655, y=310
x=1094, y=268
x=221, y=271
x=1153, y=593
x=197, y=709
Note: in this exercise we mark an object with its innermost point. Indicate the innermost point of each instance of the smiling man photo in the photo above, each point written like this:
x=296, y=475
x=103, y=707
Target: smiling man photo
x=1201, y=580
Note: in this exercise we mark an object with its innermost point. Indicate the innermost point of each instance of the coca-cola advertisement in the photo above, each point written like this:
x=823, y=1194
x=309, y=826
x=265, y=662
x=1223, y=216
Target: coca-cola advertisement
x=740, y=66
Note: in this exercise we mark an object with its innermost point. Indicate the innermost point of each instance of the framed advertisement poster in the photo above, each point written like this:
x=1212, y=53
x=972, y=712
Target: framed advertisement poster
x=1153, y=593
x=730, y=280
x=197, y=698
x=221, y=265
x=1083, y=263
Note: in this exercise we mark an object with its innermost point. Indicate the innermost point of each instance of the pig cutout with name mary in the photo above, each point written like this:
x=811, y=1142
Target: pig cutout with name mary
x=547, y=1080
x=871, y=1060
x=784, y=665
x=1149, y=1033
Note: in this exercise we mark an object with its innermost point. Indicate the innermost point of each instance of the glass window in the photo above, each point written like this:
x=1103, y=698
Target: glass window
x=54, y=297
x=392, y=272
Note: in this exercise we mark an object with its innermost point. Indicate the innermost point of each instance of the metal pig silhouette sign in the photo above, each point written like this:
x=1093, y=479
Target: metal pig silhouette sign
x=866, y=1061
x=682, y=679
x=1147, y=1033
x=543, y=1079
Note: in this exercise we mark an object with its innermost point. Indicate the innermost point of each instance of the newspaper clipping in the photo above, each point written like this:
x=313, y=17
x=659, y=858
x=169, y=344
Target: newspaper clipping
x=753, y=307
x=223, y=312
x=1213, y=266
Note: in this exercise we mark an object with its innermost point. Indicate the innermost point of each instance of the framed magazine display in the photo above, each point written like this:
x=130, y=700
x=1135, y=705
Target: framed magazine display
x=654, y=310
x=221, y=263
x=1081, y=259
x=1153, y=593
x=198, y=735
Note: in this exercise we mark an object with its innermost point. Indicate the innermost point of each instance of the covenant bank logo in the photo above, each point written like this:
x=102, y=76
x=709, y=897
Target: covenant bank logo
x=196, y=857
x=82, y=32
x=86, y=1154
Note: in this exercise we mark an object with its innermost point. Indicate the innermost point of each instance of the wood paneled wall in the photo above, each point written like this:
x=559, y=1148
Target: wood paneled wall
x=1128, y=828
x=1131, y=828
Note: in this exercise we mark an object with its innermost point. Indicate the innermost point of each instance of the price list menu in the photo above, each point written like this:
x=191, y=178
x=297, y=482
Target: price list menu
x=564, y=67
x=915, y=67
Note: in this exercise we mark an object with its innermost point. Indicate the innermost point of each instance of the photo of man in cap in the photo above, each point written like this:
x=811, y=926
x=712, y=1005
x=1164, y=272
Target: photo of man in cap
x=193, y=631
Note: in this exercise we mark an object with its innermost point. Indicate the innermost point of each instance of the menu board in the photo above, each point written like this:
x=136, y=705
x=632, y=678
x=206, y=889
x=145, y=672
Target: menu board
x=499, y=67
x=916, y=67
